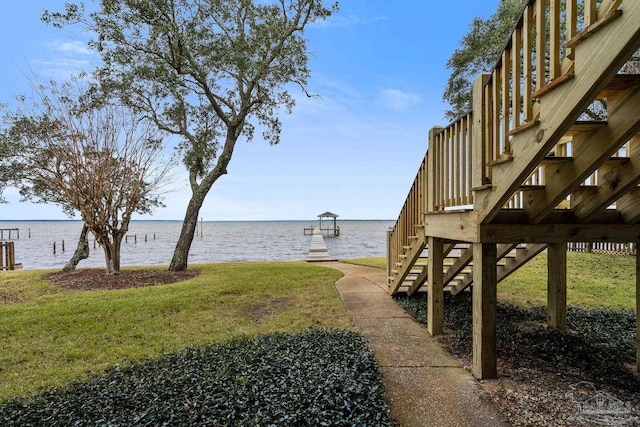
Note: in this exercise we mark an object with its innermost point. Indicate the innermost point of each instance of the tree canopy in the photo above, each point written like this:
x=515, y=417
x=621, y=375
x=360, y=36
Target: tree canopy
x=479, y=52
x=208, y=72
x=100, y=162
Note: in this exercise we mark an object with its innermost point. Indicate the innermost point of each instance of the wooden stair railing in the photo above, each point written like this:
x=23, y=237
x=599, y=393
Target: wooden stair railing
x=521, y=168
x=497, y=156
x=524, y=113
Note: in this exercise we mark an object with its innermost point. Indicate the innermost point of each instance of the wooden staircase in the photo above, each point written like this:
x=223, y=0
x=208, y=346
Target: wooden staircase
x=521, y=173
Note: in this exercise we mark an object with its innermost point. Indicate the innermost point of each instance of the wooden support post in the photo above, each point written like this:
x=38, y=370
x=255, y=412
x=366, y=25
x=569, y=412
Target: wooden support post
x=557, y=286
x=485, y=287
x=432, y=181
x=435, y=275
x=478, y=150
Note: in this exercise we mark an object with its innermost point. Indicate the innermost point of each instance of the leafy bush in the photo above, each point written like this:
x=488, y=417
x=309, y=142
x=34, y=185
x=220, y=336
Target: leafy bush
x=319, y=378
x=598, y=341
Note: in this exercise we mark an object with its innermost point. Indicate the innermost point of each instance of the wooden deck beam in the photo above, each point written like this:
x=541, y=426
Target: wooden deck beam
x=459, y=226
x=484, y=311
x=435, y=297
x=557, y=233
x=557, y=286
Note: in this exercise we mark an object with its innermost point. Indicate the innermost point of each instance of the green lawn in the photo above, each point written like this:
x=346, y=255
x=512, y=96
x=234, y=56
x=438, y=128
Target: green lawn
x=379, y=262
x=51, y=337
x=593, y=280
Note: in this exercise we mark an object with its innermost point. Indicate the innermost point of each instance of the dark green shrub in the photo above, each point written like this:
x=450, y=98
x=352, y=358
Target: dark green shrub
x=598, y=341
x=316, y=378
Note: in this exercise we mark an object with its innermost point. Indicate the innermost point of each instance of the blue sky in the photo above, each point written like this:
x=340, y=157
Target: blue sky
x=379, y=67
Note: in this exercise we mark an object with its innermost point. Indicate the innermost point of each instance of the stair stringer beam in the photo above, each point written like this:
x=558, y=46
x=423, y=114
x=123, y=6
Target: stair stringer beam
x=591, y=151
x=597, y=60
x=531, y=250
x=615, y=182
x=421, y=279
x=411, y=257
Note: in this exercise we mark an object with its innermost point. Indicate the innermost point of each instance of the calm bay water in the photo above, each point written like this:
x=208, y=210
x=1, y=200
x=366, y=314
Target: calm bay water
x=221, y=241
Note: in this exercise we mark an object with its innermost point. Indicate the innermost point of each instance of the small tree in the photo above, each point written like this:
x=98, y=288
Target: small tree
x=206, y=71
x=101, y=162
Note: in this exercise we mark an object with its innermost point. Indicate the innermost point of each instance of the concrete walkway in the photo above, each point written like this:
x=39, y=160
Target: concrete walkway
x=424, y=384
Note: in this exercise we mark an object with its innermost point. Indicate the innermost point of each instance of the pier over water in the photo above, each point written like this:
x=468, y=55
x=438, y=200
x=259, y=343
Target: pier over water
x=318, y=249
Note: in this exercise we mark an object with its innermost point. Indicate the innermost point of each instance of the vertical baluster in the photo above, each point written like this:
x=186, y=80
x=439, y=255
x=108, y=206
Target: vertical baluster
x=571, y=24
x=516, y=67
x=423, y=190
x=488, y=132
x=470, y=158
x=496, y=114
x=464, y=153
x=452, y=164
x=446, y=180
x=541, y=44
x=436, y=172
x=441, y=162
x=527, y=32
x=456, y=162
x=554, y=40
x=590, y=12
x=478, y=133
x=505, y=91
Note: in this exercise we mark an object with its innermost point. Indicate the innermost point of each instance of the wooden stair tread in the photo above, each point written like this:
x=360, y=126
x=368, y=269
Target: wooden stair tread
x=584, y=126
x=553, y=160
x=619, y=83
x=531, y=187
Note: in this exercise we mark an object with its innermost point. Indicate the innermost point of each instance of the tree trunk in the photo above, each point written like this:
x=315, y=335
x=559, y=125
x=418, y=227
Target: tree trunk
x=179, y=262
x=115, y=252
x=108, y=256
x=82, y=250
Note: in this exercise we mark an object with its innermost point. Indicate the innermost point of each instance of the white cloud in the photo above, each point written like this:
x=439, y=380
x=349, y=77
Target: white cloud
x=351, y=20
x=65, y=58
x=397, y=99
x=70, y=47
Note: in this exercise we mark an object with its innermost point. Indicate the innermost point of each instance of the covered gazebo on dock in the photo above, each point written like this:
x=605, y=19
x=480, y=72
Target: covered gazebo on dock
x=327, y=223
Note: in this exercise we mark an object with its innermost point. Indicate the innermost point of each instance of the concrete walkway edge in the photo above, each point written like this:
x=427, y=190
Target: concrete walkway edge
x=424, y=384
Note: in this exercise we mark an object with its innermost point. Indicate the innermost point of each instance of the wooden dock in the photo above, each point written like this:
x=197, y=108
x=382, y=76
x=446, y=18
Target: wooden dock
x=318, y=249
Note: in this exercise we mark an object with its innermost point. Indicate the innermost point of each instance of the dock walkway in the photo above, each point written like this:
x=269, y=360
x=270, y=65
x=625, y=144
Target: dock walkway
x=318, y=249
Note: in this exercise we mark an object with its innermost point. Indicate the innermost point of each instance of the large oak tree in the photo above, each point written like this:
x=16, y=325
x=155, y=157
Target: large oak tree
x=206, y=71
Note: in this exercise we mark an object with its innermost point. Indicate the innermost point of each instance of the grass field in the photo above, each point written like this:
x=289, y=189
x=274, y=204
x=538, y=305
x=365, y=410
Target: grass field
x=593, y=280
x=51, y=336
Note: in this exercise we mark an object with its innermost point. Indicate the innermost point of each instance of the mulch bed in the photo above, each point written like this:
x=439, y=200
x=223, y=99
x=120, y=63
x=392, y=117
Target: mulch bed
x=92, y=279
